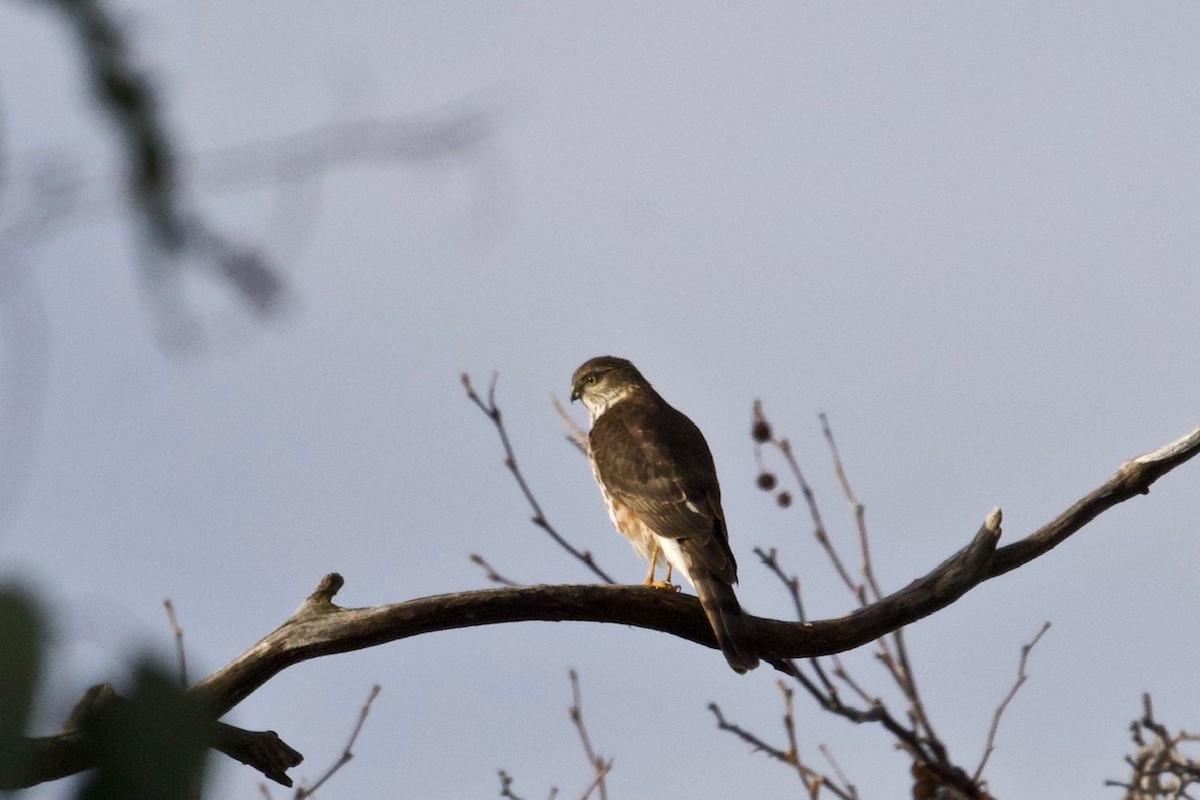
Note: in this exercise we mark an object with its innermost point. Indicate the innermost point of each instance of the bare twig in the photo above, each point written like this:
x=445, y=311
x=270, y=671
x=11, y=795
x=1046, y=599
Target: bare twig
x=1160, y=769
x=575, y=434
x=789, y=728
x=506, y=782
x=347, y=751
x=490, y=573
x=812, y=780
x=837, y=770
x=599, y=765
x=819, y=531
x=899, y=664
x=492, y=412
x=749, y=738
x=177, y=633
x=895, y=658
x=919, y=738
x=990, y=744
x=856, y=508
x=770, y=560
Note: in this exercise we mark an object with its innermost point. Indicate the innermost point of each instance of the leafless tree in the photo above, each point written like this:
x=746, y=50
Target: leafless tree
x=173, y=237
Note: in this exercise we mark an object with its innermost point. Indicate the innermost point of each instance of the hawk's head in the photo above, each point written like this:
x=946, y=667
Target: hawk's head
x=599, y=382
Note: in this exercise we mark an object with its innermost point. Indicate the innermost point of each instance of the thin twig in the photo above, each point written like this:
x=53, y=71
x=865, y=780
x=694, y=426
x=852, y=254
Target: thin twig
x=819, y=530
x=1161, y=771
x=841, y=673
x=177, y=633
x=856, y=508
x=789, y=728
x=347, y=754
x=492, y=412
x=892, y=653
x=600, y=767
x=990, y=745
x=506, y=783
x=748, y=737
x=575, y=434
x=490, y=573
x=902, y=672
x=837, y=770
x=811, y=779
x=770, y=560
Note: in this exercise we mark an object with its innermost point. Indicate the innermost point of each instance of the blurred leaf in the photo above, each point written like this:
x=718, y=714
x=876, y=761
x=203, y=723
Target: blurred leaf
x=22, y=633
x=152, y=746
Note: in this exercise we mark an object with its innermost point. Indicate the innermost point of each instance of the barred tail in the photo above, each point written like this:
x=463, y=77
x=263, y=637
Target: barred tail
x=727, y=620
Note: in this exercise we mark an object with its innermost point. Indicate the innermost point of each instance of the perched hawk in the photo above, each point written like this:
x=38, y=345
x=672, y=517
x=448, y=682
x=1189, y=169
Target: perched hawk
x=659, y=482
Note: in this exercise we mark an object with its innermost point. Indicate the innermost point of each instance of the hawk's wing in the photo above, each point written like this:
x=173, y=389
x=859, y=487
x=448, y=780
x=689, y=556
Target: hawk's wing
x=654, y=460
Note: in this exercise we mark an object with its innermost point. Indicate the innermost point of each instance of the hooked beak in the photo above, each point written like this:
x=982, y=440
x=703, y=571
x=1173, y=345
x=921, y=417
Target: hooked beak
x=576, y=392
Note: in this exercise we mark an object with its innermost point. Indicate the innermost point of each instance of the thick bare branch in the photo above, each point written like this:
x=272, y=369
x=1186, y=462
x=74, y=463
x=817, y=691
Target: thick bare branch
x=320, y=628
x=69, y=751
x=1134, y=477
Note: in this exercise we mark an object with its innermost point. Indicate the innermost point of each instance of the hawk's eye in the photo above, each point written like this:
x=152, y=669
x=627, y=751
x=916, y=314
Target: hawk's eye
x=590, y=379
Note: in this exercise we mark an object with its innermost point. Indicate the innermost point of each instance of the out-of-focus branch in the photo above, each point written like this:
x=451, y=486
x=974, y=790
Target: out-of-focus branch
x=168, y=227
x=492, y=412
x=506, y=782
x=177, y=635
x=159, y=178
x=71, y=751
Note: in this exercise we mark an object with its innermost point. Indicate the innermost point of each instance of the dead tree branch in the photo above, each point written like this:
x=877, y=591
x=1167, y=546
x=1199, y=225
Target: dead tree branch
x=320, y=628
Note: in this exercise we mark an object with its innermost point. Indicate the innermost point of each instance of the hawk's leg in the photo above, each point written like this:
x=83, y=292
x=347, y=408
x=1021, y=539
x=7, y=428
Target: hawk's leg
x=649, y=579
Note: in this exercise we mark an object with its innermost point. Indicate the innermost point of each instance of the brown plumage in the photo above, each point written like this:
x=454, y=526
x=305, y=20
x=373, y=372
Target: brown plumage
x=660, y=484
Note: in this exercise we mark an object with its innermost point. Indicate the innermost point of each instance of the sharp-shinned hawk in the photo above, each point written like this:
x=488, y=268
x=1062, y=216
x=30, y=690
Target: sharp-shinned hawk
x=659, y=482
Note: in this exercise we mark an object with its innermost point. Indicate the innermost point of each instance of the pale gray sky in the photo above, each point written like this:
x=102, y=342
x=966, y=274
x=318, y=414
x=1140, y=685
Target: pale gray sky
x=967, y=232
